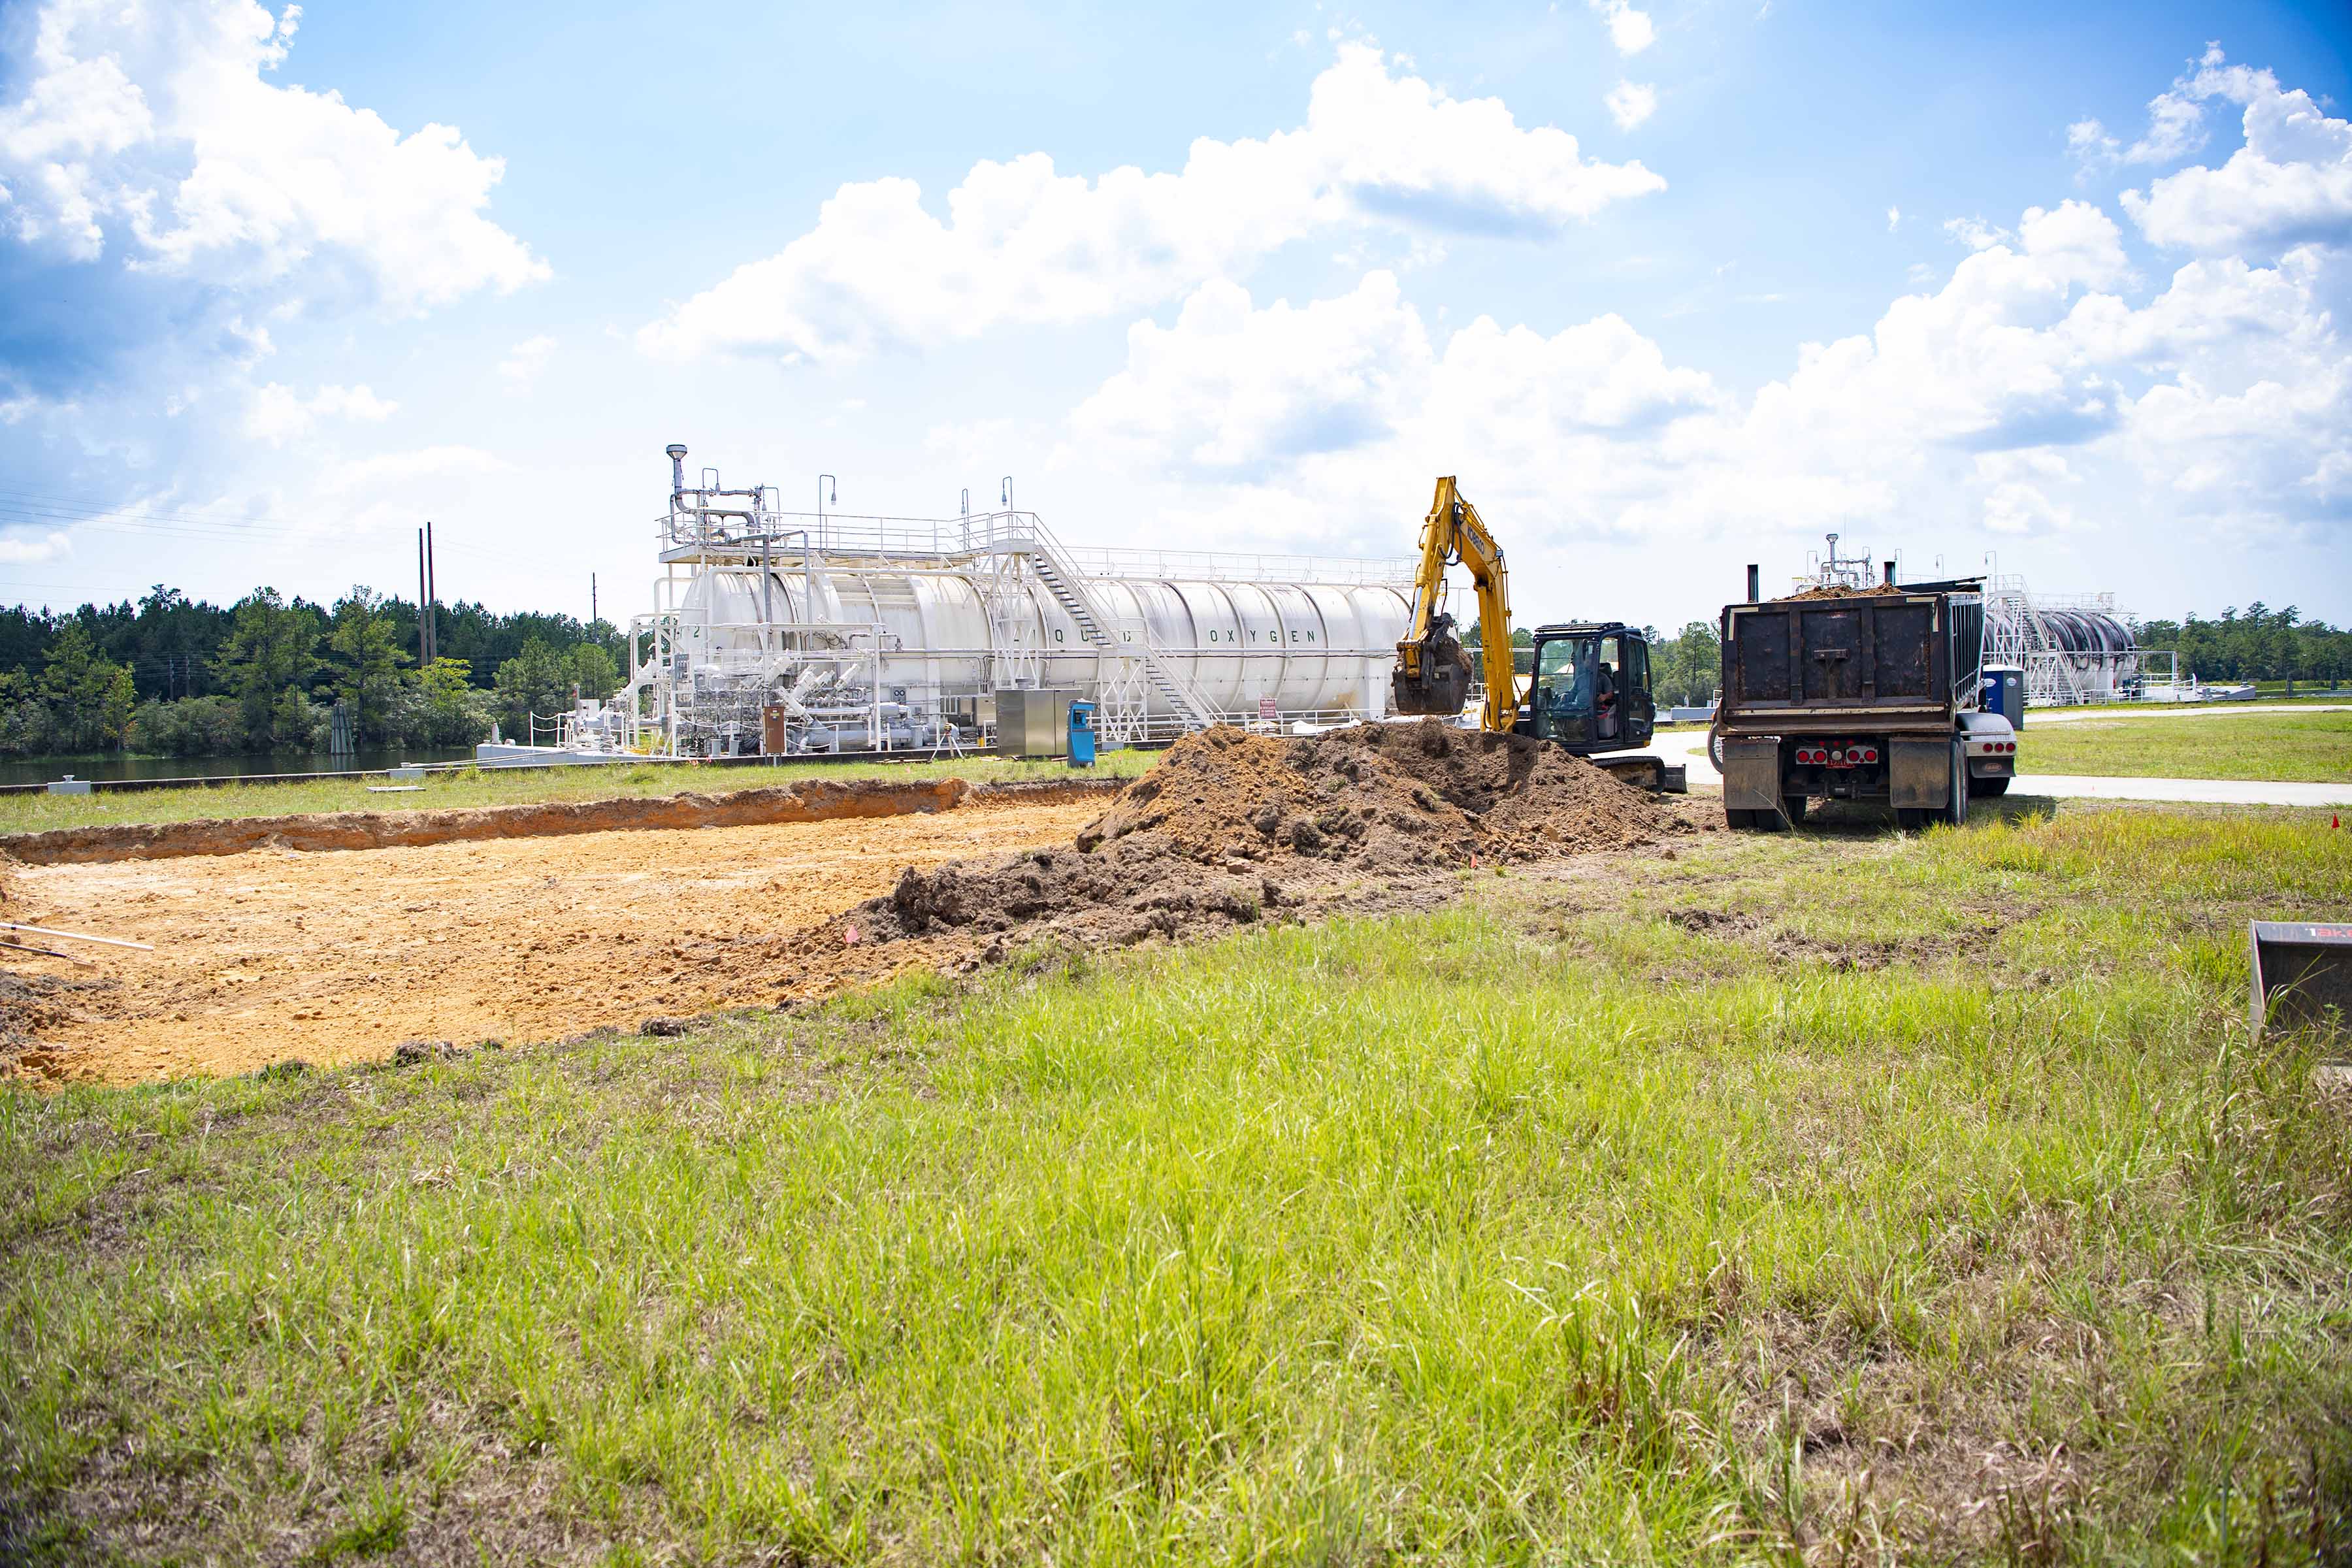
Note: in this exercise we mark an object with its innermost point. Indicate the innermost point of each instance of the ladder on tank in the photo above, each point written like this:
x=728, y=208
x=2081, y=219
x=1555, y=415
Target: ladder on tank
x=1189, y=704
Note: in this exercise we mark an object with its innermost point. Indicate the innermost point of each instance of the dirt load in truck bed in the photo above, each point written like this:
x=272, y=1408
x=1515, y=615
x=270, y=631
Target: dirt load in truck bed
x=1840, y=591
x=1231, y=825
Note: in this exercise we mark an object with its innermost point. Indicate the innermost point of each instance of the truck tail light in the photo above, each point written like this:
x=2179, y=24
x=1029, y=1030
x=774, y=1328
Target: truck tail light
x=1870, y=753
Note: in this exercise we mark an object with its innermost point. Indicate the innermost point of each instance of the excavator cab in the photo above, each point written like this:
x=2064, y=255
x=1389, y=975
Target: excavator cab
x=1591, y=691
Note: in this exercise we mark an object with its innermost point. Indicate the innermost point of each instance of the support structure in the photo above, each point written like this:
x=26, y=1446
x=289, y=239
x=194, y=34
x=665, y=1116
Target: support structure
x=886, y=633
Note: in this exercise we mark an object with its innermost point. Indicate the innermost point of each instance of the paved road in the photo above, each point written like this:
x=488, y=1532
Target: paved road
x=2217, y=792
x=2039, y=716
x=1690, y=748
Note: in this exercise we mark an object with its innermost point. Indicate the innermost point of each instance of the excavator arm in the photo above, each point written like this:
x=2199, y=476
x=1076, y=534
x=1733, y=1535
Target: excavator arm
x=1432, y=672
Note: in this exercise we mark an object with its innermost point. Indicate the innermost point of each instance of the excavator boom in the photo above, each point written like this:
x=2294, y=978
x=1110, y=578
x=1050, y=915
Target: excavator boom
x=1433, y=671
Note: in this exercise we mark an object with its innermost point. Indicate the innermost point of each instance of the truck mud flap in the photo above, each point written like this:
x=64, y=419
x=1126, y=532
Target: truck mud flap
x=1919, y=774
x=1751, y=772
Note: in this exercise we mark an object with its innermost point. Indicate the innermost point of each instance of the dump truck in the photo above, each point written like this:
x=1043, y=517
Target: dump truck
x=1870, y=694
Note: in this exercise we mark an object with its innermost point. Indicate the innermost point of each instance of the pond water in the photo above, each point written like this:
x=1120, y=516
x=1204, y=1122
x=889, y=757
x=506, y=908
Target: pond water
x=43, y=769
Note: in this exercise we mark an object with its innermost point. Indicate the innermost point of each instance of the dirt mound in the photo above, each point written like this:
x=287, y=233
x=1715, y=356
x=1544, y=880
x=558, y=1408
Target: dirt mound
x=1231, y=825
x=1391, y=794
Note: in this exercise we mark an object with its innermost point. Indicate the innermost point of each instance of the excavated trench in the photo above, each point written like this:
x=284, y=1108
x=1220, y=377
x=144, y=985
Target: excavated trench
x=531, y=924
x=514, y=923
x=810, y=801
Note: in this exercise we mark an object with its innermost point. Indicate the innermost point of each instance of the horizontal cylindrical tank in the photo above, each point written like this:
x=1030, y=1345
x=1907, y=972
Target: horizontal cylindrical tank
x=1305, y=646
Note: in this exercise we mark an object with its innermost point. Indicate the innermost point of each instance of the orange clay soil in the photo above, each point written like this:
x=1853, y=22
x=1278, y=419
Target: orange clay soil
x=273, y=954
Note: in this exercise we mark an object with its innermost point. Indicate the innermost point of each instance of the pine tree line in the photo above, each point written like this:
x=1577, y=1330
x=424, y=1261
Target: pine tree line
x=2256, y=643
x=168, y=676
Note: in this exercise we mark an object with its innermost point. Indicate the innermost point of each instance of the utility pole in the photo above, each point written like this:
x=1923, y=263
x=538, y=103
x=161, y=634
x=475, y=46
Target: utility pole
x=592, y=599
x=432, y=590
x=424, y=615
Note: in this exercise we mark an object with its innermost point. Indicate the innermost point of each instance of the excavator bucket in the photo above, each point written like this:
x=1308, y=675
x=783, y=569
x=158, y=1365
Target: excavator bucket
x=1431, y=676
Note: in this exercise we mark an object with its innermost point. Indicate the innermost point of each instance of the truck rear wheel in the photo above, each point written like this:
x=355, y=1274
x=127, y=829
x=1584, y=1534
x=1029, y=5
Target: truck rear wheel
x=1796, y=804
x=1956, y=800
x=1993, y=787
x=1911, y=818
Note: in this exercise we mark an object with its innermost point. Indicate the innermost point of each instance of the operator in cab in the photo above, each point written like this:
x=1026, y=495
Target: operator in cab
x=1569, y=686
x=1604, y=702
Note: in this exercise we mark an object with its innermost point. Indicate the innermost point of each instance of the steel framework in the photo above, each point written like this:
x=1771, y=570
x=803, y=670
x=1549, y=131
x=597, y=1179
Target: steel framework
x=2074, y=648
x=702, y=677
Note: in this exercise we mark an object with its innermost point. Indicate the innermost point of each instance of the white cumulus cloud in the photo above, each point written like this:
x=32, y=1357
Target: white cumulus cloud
x=2176, y=124
x=33, y=549
x=525, y=361
x=151, y=126
x=2027, y=395
x=2289, y=185
x=1231, y=389
x=1024, y=244
x=1630, y=103
x=1976, y=234
x=1237, y=391
x=1629, y=30
x=278, y=413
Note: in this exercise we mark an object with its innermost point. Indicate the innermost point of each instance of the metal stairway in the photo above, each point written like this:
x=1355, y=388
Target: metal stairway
x=1185, y=700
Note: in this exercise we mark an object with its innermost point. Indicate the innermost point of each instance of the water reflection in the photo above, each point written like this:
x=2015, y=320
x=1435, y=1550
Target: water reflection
x=43, y=769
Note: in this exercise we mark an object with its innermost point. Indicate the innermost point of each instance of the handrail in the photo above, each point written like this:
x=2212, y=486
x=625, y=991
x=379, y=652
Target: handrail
x=1043, y=543
x=968, y=538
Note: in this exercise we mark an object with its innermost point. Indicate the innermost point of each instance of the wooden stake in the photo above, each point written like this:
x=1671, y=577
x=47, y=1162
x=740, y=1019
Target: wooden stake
x=77, y=936
x=45, y=952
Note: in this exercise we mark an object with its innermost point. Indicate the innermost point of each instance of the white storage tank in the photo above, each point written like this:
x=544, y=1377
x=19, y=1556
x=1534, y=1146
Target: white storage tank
x=909, y=629
x=1304, y=645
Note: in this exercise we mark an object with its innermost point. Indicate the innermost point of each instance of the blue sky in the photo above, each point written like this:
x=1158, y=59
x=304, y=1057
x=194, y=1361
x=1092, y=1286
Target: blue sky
x=1804, y=267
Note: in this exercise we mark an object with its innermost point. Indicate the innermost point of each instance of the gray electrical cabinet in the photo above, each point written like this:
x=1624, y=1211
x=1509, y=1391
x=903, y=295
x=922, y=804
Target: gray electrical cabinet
x=1032, y=724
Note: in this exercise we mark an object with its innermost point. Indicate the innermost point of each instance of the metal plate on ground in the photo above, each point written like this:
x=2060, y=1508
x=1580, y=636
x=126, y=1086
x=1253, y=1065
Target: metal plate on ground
x=2302, y=973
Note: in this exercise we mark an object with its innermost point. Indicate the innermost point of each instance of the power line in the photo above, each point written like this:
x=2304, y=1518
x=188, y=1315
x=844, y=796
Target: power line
x=221, y=531
x=77, y=587
x=71, y=508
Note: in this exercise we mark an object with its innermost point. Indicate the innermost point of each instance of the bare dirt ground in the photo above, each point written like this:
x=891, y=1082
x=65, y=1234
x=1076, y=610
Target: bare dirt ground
x=275, y=953
x=350, y=946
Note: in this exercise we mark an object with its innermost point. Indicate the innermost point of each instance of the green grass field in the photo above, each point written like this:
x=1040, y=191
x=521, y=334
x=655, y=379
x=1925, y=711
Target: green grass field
x=33, y=811
x=2314, y=747
x=1843, y=1196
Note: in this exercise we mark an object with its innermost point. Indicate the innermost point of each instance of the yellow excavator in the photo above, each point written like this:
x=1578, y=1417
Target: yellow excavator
x=1589, y=691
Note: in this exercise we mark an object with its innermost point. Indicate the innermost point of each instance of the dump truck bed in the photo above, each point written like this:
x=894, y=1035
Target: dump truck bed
x=1890, y=660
